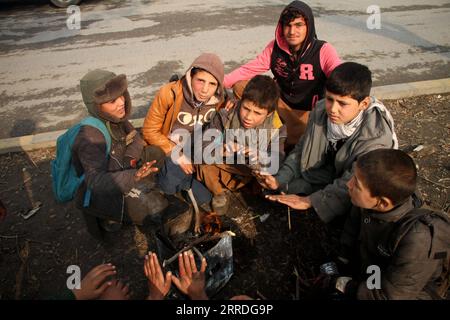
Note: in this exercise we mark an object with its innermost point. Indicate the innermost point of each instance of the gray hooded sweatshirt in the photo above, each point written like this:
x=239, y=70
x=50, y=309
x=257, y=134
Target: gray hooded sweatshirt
x=307, y=171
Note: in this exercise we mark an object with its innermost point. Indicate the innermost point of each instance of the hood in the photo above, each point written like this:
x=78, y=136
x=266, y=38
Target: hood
x=211, y=63
x=100, y=86
x=309, y=19
x=375, y=128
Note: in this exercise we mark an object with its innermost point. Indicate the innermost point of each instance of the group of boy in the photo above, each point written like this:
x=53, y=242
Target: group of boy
x=345, y=160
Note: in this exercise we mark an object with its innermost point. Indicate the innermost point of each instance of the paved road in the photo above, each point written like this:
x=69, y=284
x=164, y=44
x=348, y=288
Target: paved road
x=41, y=60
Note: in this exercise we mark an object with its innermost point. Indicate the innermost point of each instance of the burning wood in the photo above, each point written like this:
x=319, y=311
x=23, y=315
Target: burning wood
x=206, y=237
x=211, y=223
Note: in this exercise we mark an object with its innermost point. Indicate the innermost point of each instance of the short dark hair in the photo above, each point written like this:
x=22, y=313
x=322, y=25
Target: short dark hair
x=350, y=79
x=289, y=14
x=262, y=91
x=388, y=173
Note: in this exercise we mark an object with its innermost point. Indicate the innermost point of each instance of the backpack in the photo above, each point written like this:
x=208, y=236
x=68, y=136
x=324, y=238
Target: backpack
x=65, y=180
x=439, y=226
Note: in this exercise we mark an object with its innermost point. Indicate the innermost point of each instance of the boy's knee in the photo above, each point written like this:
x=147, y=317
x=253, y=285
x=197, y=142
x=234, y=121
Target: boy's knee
x=150, y=153
x=201, y=193
x=166, y=182
x=171, y=178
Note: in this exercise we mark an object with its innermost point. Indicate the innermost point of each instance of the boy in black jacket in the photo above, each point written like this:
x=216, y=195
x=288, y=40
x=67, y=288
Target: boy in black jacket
x=403, y=250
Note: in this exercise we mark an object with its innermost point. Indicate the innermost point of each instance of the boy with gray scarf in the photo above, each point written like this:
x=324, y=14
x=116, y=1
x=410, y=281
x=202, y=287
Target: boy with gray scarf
x=345, y=125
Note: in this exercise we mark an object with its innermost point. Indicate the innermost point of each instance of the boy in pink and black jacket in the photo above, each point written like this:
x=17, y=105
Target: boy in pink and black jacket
x=300, y=64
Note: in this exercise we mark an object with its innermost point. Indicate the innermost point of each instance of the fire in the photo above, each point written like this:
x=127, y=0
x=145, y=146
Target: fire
x=211, y=223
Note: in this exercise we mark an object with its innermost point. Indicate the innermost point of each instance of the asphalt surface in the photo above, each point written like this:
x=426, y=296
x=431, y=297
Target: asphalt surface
x=41, y=60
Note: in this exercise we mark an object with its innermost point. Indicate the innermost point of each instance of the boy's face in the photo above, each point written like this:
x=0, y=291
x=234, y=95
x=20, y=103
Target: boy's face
x=295, y=32
x=359, y=193
x=343, y=109
x=252, y=115
x=115, y=108
x=204, y=86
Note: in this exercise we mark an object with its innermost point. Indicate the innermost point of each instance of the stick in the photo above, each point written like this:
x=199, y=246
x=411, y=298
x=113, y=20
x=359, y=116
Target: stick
x=197, y=216
x=243, y=205
x=431, y=181
x=259, y=294
x=203, y=238
x=10, y=237
x=16, y=186
x=175, y=256
x=17, y=236
x=23, y=255
x=289, y=218
x=289, y=209
x=32, y=161
x=198, y=252
x=297, y=284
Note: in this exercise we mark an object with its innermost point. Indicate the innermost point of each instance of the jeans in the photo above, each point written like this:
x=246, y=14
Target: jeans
x=172, y=179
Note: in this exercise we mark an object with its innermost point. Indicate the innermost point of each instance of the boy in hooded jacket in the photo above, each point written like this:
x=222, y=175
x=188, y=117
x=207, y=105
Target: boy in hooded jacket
x=119, y=192
x=300, y=64
x=179, y=108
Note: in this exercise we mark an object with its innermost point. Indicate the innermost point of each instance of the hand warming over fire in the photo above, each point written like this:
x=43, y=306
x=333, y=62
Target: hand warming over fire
x=158, y=286
x=145, y=170
x=267, y=181
x=292, y=200
x=191, y=281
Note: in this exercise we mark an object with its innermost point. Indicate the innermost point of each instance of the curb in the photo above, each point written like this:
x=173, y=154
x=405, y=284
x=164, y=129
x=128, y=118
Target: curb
x=412, y=89
x=40, y=140
x=395, y=91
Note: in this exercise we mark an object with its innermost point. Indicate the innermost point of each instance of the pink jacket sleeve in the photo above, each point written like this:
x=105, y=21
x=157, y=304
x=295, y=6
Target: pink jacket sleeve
x=329, y=59
x=257, y=66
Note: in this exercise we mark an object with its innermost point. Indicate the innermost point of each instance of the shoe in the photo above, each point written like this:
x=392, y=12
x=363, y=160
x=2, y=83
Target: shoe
x=110, y=225
x=220, y=203
x=206, y=207
x=177, y=218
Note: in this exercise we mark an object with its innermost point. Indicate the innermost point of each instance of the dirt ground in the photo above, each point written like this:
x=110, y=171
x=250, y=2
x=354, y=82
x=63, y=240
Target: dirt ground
x=35, y=253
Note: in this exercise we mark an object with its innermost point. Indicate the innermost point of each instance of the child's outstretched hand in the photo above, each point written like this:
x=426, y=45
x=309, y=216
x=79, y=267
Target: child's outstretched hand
x=267, y=181
x=158, y=286
x=116, y=291
x=292, y=200
x=93, y=284
x=145, y=170
x=191, y=281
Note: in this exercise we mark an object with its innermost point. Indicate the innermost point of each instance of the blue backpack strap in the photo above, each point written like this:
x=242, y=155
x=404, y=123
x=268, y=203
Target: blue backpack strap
x=96, y=123
x=87, y=198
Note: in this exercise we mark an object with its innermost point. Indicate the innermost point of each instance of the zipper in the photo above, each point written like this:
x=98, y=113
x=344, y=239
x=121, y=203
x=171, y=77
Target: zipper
x=123, y=197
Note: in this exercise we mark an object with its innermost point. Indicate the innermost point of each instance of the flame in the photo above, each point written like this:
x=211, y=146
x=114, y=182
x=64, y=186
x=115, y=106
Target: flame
x=211, y=223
